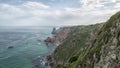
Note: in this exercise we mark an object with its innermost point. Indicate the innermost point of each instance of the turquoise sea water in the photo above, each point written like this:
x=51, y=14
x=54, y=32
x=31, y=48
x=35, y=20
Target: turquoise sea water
x=29, y=49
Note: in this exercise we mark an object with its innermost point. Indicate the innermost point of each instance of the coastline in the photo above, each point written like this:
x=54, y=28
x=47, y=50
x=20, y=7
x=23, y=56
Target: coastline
x=62, y=35
x=59, y=36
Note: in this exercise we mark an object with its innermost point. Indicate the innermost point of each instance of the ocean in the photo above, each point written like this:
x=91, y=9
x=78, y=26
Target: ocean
x=29, y=50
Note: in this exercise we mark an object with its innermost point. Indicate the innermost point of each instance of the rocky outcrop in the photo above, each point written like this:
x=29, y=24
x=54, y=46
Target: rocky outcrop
x=9, y=47
x=59, y=35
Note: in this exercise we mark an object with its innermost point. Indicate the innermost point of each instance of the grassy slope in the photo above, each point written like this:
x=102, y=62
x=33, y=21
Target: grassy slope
x=73, y=47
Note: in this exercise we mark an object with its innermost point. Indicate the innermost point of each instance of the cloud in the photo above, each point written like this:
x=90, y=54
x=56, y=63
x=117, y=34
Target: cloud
x=26, y=14
x=10, y=9
x=37, y=13
x=92, y=11
x=52, y=0
x=94, y=4
x=117, y=5
x=35, y=5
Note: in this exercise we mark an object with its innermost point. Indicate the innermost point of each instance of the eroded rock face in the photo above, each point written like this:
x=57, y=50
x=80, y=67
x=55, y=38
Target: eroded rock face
x=111, y=50
x=105, y=51
x=60, y=35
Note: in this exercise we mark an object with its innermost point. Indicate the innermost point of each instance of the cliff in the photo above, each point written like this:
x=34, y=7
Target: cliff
x=95, y=46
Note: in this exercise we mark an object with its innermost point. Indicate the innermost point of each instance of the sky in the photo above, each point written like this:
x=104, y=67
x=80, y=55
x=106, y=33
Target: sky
x=56, y=12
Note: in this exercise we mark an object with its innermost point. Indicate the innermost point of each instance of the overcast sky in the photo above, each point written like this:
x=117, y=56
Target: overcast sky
x=56, y=12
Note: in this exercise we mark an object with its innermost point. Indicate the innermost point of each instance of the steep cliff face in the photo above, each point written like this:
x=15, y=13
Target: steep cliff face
x=99, y=50
x=109, y=44
x=103, y=50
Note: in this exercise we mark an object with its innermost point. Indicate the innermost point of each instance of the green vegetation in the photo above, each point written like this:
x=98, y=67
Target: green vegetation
x=73, y=59
x=78, y=50
x=69, y=51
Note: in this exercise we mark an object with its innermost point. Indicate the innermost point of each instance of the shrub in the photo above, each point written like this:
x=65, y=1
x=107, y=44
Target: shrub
x=73, y=59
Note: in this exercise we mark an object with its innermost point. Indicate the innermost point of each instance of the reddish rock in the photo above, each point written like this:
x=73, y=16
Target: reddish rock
x=50, y=40
x=60, y=35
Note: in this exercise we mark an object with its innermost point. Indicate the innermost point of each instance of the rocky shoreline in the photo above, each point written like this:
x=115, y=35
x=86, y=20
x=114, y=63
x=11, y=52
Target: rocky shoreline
x=58, y=38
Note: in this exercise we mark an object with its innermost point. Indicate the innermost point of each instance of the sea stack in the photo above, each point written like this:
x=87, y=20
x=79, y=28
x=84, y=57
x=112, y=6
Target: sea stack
x=54, y=31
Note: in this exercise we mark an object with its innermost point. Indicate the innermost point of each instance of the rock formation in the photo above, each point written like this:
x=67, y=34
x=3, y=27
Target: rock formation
x=54, y=31
x=59, y=35
x=9, y=47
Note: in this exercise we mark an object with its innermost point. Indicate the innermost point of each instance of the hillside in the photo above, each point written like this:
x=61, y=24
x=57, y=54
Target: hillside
x=91, y=47
x=70, y=46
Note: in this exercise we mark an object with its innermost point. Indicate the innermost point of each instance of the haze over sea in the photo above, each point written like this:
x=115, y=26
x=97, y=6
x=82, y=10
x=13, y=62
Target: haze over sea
x=29, y=49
